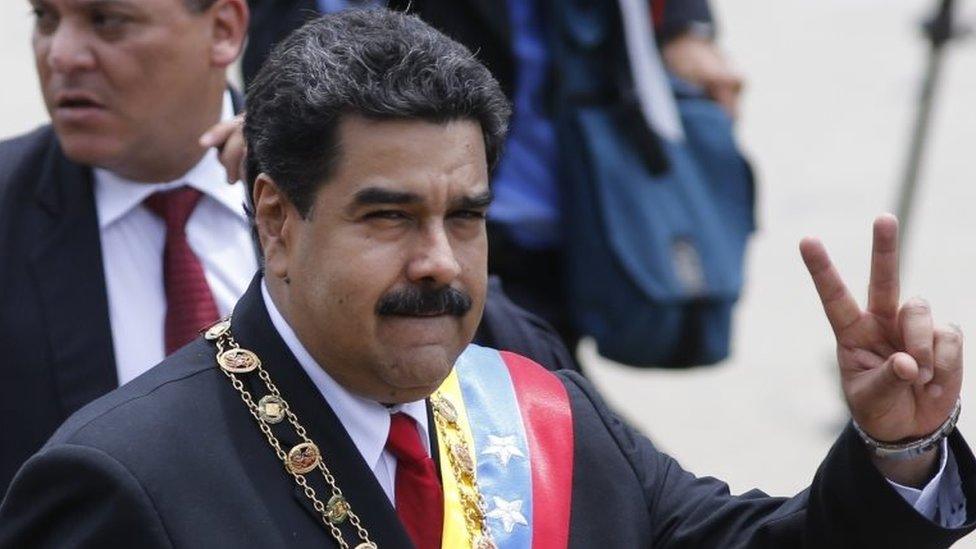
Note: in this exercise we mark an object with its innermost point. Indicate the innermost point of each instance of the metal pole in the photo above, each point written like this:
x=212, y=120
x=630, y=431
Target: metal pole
x=939, y=30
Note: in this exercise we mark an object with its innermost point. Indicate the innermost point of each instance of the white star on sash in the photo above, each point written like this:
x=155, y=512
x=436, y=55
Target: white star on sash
x=503, y=448
x=509, y=512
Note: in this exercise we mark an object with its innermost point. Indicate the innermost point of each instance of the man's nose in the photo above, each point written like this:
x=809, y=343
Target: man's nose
x=69, y=50
x=434, y=261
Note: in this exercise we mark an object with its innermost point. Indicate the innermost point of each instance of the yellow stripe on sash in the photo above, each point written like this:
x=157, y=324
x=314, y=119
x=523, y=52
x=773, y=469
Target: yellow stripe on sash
x=455, y=528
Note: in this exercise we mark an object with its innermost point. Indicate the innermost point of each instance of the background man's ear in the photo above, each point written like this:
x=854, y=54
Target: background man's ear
x=230, y=19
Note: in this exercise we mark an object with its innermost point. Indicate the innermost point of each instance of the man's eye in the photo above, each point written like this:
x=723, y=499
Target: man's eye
x=386, y=214
x=44, y=20
x=108, y=21
x=469, y=214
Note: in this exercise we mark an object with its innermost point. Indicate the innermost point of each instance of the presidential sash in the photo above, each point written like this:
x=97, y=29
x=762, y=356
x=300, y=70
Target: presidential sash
x=515, y=416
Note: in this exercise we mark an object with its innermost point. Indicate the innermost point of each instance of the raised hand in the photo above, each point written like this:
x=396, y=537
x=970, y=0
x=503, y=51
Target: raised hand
x=228, y=137
x=900, y=374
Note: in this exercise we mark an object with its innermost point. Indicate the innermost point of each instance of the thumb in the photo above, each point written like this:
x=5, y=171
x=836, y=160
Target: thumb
x=890, y=380
x=878, y=382
x=877, y=396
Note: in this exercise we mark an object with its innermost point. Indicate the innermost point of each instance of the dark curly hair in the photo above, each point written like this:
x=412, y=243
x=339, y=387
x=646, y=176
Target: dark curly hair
x=376, y=63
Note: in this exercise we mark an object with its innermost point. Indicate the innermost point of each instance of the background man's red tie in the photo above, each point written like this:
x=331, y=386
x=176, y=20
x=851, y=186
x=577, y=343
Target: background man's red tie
x=419, y=498
x=189, y=303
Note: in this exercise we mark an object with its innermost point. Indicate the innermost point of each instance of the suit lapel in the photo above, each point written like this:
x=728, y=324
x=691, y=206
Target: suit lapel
x=67, y=266
x=253, y=330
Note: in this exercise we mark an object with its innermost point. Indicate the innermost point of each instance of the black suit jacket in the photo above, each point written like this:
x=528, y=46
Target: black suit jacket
x=55, y=336
x=173, y=459
x=56, y=351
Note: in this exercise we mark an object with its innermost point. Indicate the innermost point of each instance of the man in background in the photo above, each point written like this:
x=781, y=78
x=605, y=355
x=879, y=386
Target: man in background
x=119, y=234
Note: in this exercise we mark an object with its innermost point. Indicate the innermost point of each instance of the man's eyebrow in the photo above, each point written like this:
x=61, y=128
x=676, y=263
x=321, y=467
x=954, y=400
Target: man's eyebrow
x=94, y=4
x=377, y=195
x=476, y=202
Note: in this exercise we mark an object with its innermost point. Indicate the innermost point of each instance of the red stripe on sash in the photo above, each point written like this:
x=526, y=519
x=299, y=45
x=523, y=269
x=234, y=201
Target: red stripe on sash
x=548, y=422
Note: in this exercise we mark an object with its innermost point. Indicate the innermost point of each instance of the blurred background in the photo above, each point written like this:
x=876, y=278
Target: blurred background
x=832, y=91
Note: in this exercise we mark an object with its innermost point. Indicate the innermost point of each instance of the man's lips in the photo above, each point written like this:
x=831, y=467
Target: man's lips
x=74, y=108
x=77, y=100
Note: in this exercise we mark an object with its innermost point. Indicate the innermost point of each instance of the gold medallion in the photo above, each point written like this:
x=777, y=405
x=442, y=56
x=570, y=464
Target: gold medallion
x=463, y=458
x=303, y=458
x=445, y=408
x=271, y=409
x=238, y=361
x=337, y=509
x=216, y=330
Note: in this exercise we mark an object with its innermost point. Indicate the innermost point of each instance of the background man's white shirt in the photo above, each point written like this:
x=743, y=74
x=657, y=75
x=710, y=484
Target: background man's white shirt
x=132, y=241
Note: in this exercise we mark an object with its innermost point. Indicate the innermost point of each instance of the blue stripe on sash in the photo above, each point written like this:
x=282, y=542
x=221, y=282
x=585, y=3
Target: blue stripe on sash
x=504, y=473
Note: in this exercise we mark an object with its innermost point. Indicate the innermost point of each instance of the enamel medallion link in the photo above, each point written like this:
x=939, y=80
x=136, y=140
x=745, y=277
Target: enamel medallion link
x=272, y=408
x=462, y=463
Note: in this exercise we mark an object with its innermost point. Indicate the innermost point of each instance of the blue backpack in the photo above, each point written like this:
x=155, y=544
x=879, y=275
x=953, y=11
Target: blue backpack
x=655, y=231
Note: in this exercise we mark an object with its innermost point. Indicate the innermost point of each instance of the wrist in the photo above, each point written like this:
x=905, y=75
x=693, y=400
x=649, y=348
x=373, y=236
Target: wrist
x=909, y=450
x=913, y=473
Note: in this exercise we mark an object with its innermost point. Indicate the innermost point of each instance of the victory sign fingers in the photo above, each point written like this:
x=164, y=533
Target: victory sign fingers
x=901, y=375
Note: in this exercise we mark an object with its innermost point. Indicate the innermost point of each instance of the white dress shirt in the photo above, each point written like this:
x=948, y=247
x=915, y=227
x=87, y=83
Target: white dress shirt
x=366, y=421
x=941, y=500
x=132, y=240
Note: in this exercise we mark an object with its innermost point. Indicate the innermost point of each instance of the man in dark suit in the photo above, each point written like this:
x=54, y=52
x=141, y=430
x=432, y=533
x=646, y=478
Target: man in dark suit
x=84, y=294
x=341, y=404
x=92, y=261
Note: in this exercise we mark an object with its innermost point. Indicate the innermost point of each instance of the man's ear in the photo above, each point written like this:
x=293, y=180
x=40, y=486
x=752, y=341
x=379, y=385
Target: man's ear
x=275, y=217
x=230, y=18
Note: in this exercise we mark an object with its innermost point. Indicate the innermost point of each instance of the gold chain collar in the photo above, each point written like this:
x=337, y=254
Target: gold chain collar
x=306, y=456
x=272, y=408
x=462, y=464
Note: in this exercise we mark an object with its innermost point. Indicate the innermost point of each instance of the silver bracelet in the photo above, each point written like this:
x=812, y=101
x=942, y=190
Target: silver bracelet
x=915, y=448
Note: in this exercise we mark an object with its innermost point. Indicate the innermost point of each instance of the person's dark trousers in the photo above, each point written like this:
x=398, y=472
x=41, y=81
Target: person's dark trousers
x=533, y=279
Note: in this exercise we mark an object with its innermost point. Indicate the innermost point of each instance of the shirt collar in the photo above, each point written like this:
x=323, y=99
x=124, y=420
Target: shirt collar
x=366, y=421
x=116, y=196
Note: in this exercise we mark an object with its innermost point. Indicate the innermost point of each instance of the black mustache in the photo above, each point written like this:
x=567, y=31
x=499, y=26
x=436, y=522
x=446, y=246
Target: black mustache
x=424, y=301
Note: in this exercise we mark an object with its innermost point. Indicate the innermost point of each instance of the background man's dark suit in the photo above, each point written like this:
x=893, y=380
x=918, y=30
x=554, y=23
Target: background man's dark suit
x=174, y=459
x=56, y=351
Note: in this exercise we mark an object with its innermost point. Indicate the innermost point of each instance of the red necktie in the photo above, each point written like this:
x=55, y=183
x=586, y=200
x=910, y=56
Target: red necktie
x=189, y=303
x=419, y=499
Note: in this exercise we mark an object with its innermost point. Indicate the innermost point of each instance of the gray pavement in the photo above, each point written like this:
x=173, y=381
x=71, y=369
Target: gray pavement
x=832, y=90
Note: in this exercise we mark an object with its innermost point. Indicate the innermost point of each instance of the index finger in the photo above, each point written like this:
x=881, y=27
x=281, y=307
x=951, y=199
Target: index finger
x=217, y=135
x=884, y=288
x=838, y=303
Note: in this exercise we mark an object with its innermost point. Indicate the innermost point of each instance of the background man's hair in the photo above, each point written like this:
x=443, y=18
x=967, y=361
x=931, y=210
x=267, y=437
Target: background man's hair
x=375, y=63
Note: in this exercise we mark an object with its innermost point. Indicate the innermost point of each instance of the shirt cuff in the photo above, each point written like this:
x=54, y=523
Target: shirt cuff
x=941, y=500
